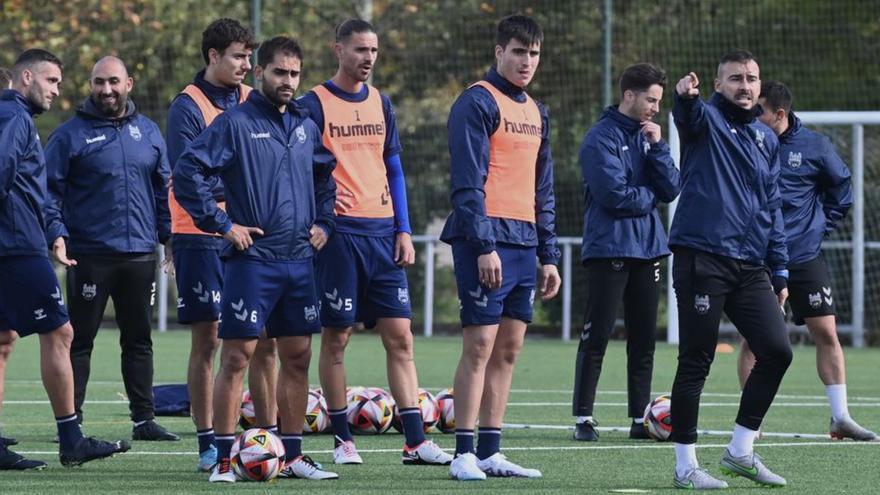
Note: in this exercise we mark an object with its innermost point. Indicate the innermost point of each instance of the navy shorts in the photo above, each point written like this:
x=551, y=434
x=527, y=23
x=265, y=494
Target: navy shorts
x=809, y=290
x=199, y=275
x=30, y=295
x=360, y=281
x=277, y=295
x=515, y=297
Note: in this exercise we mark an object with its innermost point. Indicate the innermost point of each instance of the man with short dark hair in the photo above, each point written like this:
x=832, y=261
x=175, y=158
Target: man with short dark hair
x=105, y=226
x=503, y=217
x=361, y=270
x=5, y=347
x=816, y=190
x=226, y=50
x=627, y=171
x=727, y=225
x=30, y=296
x=280, y=194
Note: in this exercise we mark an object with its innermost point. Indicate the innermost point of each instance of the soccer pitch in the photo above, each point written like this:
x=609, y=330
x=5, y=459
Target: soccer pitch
x=795, y=444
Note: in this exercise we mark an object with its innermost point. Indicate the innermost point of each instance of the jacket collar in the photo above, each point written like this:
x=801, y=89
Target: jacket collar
x=505, y=86
x=221, y=96
x=794, y=126
x=613, y=112
x=15, y=96
x=734, y=112
x=89, y=110
x=294, y=107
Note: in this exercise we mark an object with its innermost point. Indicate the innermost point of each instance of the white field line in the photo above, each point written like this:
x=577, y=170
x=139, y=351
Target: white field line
x=560, y=447
x=516, y=404
x=433, y=388
x=625, y=429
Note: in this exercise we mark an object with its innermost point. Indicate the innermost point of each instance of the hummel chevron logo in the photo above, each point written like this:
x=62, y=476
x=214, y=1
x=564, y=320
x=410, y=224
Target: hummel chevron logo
x=480, y=299
x=198, y=289
x=240, y=307
x=39, y=314
x=57, y=295
x=335, y=300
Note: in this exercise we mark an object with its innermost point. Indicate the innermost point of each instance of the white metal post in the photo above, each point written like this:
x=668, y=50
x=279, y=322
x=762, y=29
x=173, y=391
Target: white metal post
x=671, y=301
x=162, y=293
x=858, y=255
x=566, y=291
x=429, y=288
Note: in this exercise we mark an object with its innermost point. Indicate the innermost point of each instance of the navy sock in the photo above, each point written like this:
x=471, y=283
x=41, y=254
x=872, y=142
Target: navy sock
x=292, y=445
x=224, y=445
x=69, y=431
x=413, y=426
x=489, y=442
x=339, y=424
x=464, y=442
x=206, y=439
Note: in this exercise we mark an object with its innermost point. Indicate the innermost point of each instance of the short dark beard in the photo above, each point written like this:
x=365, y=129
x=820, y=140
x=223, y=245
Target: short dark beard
x=116, y=111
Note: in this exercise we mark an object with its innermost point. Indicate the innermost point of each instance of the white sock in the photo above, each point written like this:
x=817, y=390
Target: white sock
x=583, y=419
x=639, y=420
x=837, y=400
x=743, y=441
x=685, y=458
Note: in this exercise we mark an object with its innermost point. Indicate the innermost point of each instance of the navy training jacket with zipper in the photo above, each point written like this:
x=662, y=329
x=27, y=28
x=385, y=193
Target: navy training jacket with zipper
x=108, y=183
x=730, y=203
x=625, y=177
x=277, y=176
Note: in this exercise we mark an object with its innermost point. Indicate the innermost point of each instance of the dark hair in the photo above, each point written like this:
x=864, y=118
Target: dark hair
x=224, y=32
x=776, y=95
x=32, y=57
x=5, y=77
x=521, y=28
x=640, y=77
x=738, y=55
x=348, y=27
x=283, y=44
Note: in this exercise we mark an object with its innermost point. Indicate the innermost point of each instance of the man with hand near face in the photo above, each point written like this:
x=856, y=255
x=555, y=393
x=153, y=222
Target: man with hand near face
x=280, y=192
x=503, y=217
x=727, y=225
x=107, y=212
x=627, y=171
x=361, y=270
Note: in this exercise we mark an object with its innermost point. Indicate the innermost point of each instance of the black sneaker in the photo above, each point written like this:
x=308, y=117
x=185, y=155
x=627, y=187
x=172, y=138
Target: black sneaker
x=586, y=431
x=637, y=431
x=7, y=441
x=91, y=448
x=9, y=460
x=152, y=431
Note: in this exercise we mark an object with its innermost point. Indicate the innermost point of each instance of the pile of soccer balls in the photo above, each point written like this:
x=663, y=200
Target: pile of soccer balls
x=371, y=410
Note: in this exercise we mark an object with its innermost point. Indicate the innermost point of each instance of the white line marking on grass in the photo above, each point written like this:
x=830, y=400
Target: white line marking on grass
x=625, y=429
x=657, y=445
x=42, y=402
x=668, y=393
x=702, y=404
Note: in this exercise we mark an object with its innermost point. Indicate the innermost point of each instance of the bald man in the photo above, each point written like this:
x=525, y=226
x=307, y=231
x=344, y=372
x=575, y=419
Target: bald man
x=107, y=212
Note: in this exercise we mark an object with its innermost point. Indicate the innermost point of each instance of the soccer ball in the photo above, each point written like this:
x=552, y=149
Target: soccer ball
x=370, y=412
x=317, y=419
x=446, y=407
x=428, y=408
x=257, y=455
x=248, y=418
x=658, y=421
